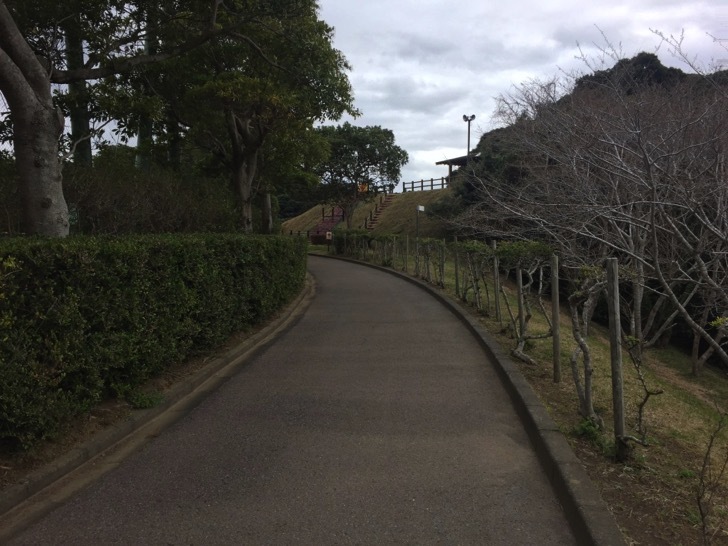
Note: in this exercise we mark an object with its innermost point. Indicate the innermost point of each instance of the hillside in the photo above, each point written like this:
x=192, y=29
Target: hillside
x=400, y=217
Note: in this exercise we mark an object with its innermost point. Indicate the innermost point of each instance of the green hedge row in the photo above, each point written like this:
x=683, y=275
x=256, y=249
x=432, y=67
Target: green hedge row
x=85, y=318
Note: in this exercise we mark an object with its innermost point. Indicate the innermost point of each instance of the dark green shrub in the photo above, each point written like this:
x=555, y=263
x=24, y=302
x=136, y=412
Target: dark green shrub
x=115, y=198
x=86, y=317
x=351, y=242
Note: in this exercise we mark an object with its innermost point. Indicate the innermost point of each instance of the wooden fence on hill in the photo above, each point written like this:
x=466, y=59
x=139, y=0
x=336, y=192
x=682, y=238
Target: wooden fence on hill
x=425, y=185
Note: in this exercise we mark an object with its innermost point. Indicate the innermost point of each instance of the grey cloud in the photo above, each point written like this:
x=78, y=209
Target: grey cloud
x=419, y=65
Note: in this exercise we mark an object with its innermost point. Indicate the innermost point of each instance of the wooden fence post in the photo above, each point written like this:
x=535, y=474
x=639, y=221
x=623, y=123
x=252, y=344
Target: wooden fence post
x=615, y=346
x=496, y=282
x=555, y=316
x=406, y=253
x=521, y=312
x=457, y=268
x=442, y=262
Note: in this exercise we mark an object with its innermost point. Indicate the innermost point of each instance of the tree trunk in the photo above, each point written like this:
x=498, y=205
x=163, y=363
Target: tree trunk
x=348, y=209
x=580, y=330
x=697, y=338
x=638, y=292
x=245, y=141
x=244, y=168
x=174, y=143
x=145, y=136
x=266, y=214
x=79, y=97
x=37, y=125
x=243, y=189
x=36, y=134
x=142, y=159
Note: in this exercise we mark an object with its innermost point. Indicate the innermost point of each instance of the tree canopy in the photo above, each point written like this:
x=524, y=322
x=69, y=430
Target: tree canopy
x=362, y=160
x=224, y=76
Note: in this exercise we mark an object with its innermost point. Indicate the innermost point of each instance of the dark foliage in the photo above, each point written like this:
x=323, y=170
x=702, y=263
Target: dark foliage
x=84, y=318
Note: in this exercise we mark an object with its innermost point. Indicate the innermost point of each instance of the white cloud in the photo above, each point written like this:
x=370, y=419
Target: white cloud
x=419, y=65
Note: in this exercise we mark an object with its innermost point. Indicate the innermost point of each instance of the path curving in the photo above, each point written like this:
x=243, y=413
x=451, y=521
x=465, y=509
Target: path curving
x=375, y=419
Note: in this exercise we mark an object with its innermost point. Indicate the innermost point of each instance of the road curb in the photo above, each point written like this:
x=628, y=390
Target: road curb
x=180, y=398
x=588, y=515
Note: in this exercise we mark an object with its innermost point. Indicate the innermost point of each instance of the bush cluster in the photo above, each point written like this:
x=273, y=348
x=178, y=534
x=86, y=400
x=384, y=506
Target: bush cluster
x=114, y=198
x=90, y=317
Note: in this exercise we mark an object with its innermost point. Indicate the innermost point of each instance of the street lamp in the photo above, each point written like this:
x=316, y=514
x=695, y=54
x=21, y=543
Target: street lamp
x=468, y=119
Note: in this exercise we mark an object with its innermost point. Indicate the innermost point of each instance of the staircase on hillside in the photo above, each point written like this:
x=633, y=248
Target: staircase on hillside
x=383, y=203
x=327, y=223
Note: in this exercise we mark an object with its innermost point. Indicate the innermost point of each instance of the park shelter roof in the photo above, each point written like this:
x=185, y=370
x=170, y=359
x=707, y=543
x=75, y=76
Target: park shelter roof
x=458, y=161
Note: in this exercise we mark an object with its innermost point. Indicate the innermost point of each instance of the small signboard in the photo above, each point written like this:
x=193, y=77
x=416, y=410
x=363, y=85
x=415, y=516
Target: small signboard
x=329, y=235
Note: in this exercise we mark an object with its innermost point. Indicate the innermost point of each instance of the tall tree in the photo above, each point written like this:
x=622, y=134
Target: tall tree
x=362, y=160
x=291, y=79
x=115, y=46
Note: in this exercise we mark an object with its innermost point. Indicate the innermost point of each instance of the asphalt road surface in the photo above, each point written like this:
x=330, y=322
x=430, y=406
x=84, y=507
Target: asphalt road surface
x=375, y=419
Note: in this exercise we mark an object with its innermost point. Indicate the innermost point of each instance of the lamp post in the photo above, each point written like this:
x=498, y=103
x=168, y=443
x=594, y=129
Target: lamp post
x=468, y=119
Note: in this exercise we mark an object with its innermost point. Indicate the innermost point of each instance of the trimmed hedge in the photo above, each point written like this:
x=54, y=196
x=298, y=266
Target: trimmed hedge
x=86, y=318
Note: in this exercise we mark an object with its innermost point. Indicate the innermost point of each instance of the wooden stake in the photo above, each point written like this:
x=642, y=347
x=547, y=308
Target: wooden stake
x=496, y=283
x=615, y=345
x=555, y=323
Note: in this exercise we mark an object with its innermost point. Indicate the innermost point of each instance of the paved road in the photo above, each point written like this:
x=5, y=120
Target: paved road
x=376, y=419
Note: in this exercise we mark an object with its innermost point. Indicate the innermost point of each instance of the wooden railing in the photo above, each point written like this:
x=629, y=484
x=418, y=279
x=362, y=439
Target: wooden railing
x=425, y=185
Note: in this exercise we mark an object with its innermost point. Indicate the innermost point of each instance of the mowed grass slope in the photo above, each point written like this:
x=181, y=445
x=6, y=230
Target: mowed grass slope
x=304, y=222
x=398, y=218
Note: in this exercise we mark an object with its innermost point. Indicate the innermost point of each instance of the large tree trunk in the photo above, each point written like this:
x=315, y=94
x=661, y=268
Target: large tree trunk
x=244, y=168
x=145, y=136
x=245, y=142
x=37, y=125
x=174, y=143
x=36, y=135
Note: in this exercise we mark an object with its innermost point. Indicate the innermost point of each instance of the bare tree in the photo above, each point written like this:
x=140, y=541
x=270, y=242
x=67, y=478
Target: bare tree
x=627, y=162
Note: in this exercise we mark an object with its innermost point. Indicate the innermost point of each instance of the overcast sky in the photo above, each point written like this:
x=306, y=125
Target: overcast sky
x=420, y=65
